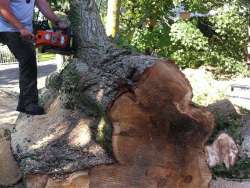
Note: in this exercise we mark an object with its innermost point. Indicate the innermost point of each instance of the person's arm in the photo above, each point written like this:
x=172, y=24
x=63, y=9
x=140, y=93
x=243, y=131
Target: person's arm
x=44, y=7
x=6, y=12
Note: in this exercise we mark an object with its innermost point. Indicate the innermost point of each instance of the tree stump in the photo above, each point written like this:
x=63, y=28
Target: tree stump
x=126, y=117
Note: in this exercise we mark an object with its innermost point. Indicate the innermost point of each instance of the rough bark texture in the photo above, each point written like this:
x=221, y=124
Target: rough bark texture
x=158, y=136
x=56, y=143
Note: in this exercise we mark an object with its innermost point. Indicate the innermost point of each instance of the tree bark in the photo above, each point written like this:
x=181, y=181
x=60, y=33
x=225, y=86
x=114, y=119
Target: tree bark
x=248, y=45
x=126, y=117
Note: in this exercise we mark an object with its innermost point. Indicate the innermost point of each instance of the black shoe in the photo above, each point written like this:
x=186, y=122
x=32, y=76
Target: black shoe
x=32, y=109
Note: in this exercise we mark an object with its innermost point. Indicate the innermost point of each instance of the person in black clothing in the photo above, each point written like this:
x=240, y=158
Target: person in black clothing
x=16, y=32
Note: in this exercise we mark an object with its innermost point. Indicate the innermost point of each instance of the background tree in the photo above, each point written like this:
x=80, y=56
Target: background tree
x=185, y=41
x=218, y=41
x=246, y=5
x=60, y=5
x=112, y=24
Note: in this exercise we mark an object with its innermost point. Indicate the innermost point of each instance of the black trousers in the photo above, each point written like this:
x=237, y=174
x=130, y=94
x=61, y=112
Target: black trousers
x=25, y=53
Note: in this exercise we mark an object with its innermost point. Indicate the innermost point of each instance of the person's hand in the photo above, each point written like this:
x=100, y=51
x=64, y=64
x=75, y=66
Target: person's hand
x=26, y=34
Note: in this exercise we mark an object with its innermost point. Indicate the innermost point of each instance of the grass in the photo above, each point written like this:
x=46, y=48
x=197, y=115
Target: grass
x=45, y=56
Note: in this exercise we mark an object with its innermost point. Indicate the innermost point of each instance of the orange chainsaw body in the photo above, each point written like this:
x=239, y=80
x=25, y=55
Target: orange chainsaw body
x=51, y=38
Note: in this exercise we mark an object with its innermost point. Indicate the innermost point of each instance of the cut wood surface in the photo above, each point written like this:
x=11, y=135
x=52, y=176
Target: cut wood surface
x=9, y=170
x=158, y=135
x=36, y=181
x=75, y=180
x=78, y=179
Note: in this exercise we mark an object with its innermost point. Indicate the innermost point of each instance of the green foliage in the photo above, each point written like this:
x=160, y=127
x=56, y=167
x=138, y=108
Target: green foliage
x=231, y=126
x=146, y=27
x=241, y=170
x=224, y=49
x=187, y=43
x=230, y=46
x=45, y=56
x=60, y=5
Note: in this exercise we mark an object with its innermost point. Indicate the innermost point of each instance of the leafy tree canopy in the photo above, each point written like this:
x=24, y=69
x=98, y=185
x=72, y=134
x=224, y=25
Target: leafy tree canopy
x=219, y=41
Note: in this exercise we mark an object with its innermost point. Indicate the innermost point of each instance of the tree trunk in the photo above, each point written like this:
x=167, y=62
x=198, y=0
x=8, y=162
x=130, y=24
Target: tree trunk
x=248, y=45
x=112, y=24
x=126, y=117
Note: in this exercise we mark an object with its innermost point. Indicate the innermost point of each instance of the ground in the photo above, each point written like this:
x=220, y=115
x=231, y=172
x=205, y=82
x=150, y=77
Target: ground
x=9, y=75
x=208, y=90
x=9, y=89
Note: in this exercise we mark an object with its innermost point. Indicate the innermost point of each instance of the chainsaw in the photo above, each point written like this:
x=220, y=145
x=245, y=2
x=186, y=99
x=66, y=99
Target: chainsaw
x=53, y=40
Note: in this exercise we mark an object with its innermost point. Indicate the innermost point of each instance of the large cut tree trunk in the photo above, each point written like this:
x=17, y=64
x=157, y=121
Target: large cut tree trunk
x=126, y=118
